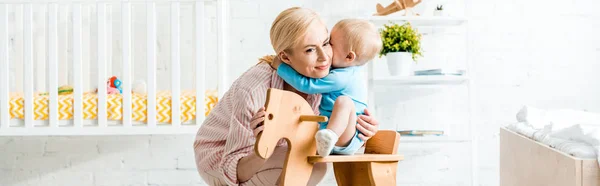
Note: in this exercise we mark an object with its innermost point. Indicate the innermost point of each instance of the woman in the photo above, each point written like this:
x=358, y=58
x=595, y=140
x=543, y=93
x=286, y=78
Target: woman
x=224, y=144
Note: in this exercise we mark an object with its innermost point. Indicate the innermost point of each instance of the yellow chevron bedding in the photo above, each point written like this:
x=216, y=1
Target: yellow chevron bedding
x=114, y=106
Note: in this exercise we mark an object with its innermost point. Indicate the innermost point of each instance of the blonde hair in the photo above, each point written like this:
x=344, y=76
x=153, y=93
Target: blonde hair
x=362, y=37
x=289, y=28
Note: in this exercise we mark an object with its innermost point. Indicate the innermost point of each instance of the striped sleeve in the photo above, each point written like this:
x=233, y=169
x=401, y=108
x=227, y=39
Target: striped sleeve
x=239, y=141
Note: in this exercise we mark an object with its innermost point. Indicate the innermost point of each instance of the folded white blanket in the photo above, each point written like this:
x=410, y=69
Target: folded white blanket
x=586, y=133
x=564, y=124
x=573, y=148
x=556, y=119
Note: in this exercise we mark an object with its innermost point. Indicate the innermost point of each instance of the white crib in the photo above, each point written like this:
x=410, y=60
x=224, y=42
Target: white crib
x=102, y=125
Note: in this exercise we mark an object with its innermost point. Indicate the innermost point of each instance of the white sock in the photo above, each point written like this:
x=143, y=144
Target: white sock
x=326, y=139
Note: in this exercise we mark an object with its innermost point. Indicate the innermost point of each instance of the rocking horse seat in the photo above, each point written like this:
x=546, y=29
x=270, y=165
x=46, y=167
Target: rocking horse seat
x=377, y=166
x=356, y=158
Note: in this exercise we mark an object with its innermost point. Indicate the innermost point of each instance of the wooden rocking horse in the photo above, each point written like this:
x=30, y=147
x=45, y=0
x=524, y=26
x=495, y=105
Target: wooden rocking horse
x=290, y=117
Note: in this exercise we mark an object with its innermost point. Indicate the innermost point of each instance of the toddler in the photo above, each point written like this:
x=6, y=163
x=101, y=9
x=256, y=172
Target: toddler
x=344, y=92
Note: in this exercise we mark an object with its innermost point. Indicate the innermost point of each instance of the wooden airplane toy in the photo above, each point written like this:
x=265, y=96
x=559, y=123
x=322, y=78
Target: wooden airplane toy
x=396, y=6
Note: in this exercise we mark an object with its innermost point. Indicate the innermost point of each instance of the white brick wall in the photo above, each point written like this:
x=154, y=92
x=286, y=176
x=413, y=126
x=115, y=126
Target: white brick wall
x=105, y=161
x=120, y=178
x=542, y=53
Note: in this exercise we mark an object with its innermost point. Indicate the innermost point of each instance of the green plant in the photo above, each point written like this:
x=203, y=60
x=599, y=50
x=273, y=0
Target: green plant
x=439, y=7
x=401, y=38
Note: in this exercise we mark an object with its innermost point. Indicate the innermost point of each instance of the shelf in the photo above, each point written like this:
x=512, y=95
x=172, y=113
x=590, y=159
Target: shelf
x=418, y=20
x=417, y=139
x=419, y=80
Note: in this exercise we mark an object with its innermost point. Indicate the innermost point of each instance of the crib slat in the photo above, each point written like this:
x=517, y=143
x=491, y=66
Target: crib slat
x=175, y=69
x=18, y=20
x=77, y=67
x=40, y=45
x=63, y=17
x=200, y=65
x=4, y=115
x=109, y=39
x=28, y=64
x=222, y=41
x=126, y=21
x=86, y=50
x=101, y=11
x=53, y=64
x=151, y=52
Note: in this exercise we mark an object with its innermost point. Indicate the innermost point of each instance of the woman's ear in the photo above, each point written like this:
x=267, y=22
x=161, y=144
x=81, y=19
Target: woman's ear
x=284, y=57
x=351, y=56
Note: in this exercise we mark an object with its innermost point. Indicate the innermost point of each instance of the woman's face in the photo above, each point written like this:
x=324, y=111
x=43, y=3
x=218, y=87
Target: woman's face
x=311, y=57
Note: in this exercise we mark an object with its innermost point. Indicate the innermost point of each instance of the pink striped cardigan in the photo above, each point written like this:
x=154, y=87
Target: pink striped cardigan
x=225, y=136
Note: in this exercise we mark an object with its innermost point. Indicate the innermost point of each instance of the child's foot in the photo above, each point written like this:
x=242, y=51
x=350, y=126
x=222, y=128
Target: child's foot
x=325, y=141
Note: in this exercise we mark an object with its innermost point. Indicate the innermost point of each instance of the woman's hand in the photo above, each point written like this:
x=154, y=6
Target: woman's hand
x=367, y=125
x=276, y=62
x=248, y=166
x=256, y=123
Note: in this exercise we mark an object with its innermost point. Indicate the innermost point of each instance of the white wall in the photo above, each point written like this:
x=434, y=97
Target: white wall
x=541, y=53
x=109, y=160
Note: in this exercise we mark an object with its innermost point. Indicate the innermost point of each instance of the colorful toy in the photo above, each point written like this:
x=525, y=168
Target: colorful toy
x=113, y=86
x=65, y=89
x=112, y=90
x=114, y=82
x=289, y=116
x=62, y=90
x=111, y=81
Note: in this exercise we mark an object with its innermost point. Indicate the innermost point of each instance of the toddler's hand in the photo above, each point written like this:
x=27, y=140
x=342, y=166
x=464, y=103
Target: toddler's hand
x=367, y=125
x=256, y=123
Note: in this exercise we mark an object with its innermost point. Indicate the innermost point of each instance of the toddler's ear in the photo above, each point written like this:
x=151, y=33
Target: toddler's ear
x=351, y=56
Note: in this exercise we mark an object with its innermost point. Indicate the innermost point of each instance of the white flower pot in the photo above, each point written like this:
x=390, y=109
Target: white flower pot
x=438, y=13
x=400, y=63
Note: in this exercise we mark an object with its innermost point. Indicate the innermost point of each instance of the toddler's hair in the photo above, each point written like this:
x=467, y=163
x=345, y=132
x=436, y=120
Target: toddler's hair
x=362, y=37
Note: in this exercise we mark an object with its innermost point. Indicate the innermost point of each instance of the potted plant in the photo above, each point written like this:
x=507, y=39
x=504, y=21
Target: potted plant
x=401, y=46
x=439, y=10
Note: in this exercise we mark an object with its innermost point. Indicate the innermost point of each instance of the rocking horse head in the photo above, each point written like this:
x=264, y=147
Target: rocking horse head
x=290, y=117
